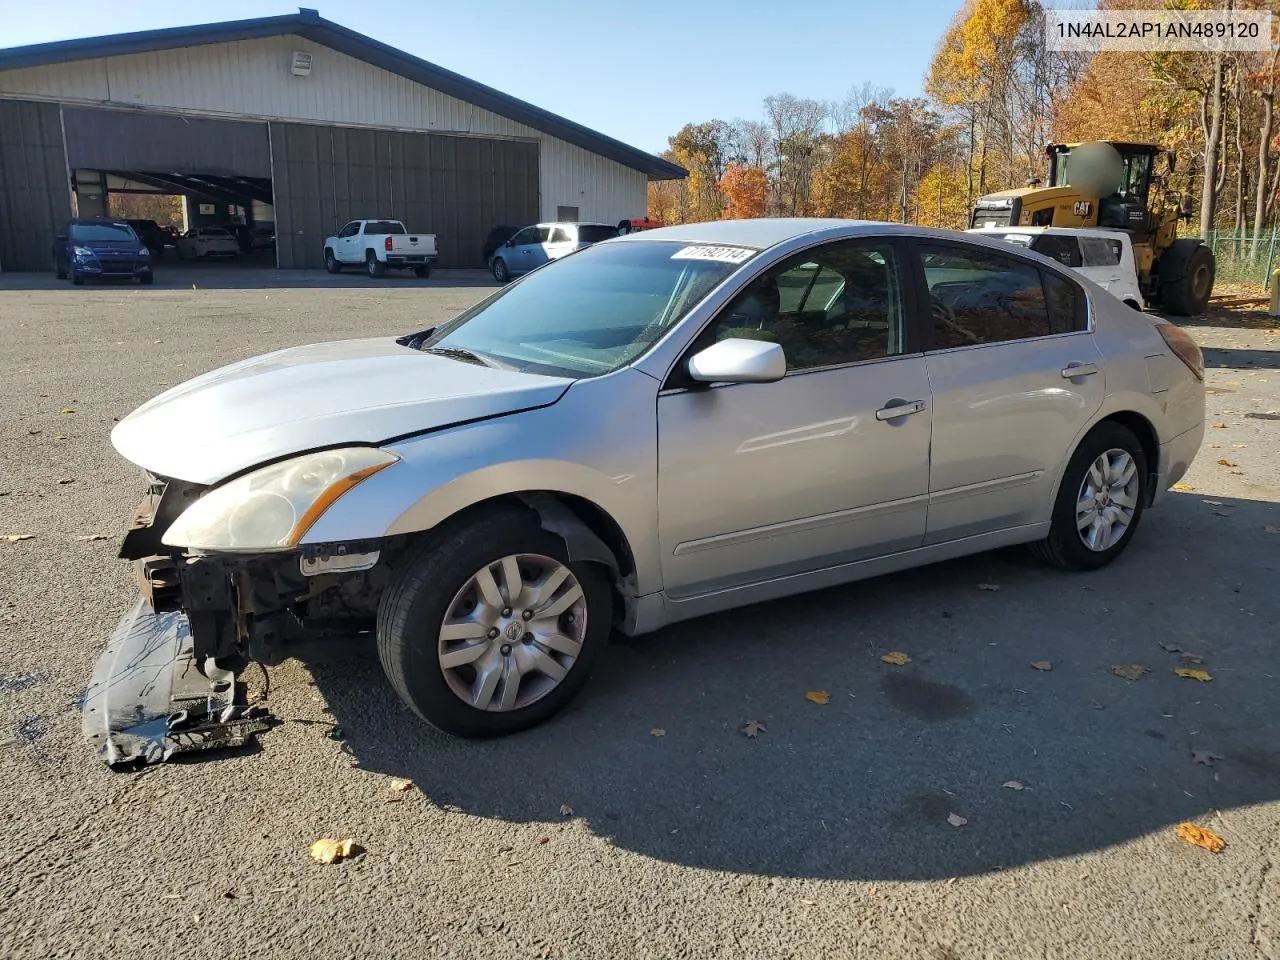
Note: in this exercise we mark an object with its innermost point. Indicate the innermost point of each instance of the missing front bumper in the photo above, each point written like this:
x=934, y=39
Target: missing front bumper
x=149, y=699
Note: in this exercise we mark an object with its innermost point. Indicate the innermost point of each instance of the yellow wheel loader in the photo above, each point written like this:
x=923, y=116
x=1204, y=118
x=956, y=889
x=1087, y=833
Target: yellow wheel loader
x=1110, y=184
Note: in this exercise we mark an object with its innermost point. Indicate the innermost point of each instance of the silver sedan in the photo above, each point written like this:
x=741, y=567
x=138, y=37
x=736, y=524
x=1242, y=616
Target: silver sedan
x=663, y=425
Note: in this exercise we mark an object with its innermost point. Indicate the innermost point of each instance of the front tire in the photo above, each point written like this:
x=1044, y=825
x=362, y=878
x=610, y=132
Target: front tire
x=373, y=265
x=491, y=629
x=1100, y=501
x=331, y=262
x=147, y=279
x=76, y=279
x=1188, y=295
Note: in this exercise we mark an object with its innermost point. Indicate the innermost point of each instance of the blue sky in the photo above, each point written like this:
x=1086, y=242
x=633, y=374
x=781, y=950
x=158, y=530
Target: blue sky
x=637, y=72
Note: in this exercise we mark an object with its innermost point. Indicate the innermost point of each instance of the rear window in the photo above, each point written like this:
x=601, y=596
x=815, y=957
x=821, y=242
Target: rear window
x=101, y=231
x=594, y=233
x=394, y=227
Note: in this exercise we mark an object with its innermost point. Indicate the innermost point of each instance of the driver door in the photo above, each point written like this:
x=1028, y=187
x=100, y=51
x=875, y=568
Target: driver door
x=766, y=480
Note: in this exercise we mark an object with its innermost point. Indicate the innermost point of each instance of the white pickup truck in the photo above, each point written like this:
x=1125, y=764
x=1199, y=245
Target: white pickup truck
x=377, y=245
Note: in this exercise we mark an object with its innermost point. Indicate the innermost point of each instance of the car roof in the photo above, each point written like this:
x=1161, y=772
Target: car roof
x=572, y=223
x=766, y=232
x=114, y=221
x=1071, y=231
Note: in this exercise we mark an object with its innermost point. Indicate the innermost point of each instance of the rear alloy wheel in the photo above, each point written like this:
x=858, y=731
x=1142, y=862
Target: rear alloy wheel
x=331, y=262
x=500, y=271
x=1100, y=501
x=373, y=265
x=493, y=629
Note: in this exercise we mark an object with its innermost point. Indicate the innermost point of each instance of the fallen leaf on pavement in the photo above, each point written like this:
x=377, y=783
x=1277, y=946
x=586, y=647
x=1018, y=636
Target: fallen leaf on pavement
x=989, y=586
x=1219, y=426
x=93, y=536
x=1205, y=757
x=65, y=480
x=809, y=903
x=67, y=410
x=400, y=786
x=15, y=537
x=1131, y=671
x=1270, y=529
x=1200, y=837
x=1191, y=659
x=1170, y=648
x=1042, y=664
x=326, y=850
x=1201, y=675
x=897, y=658
x=1014, y=785
x=1183, y=486
x=1227, y=463
x=818, y=696
x=657, y=732
x=956, y=820
x=753, y=727
x=58, y=436
x=566, y=810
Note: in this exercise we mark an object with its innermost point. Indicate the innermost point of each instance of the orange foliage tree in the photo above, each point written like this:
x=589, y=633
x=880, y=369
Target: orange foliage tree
x=746, y=188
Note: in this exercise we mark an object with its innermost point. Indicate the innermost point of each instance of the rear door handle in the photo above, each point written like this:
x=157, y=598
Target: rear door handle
x=1073, y=370
x=900, y=408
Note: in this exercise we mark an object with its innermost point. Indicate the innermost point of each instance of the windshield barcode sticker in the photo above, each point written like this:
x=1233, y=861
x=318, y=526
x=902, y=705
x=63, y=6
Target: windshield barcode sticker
x=724, y=254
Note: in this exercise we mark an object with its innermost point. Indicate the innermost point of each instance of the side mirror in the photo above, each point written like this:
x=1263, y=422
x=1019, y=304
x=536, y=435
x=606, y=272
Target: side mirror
x=511, y=242
x=739, y=360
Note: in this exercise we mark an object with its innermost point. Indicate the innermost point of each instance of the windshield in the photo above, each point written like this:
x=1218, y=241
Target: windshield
x=593, y=312
x=102, y=231
x=394, y=227
x=594, y=233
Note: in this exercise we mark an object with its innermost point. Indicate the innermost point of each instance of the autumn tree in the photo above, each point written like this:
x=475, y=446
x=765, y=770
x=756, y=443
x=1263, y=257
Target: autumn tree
x=746, y=190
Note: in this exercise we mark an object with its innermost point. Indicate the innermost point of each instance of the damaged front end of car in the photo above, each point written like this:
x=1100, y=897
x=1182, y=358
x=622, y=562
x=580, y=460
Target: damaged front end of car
x=170, y=679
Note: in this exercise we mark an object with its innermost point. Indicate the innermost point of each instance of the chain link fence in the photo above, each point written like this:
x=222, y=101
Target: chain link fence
x=1243, y=257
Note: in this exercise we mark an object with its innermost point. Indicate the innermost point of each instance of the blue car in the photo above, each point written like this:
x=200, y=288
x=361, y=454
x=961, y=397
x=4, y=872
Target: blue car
x=91, y=247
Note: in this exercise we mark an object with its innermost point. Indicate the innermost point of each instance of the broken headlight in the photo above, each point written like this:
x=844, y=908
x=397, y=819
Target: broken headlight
x=272, y=508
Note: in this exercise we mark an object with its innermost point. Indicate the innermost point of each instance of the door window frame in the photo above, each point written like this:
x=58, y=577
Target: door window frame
x=921, y=284
x=915, y=327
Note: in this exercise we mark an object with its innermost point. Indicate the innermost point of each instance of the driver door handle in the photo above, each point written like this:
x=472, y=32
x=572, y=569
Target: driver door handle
x=1073, y=370
x=896, y=409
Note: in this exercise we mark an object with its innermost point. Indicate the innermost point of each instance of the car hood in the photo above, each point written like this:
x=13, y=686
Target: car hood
x=291, y=401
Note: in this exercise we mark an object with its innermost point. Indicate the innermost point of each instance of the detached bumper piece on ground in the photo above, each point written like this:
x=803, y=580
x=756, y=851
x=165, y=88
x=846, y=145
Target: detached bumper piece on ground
x=149, y=699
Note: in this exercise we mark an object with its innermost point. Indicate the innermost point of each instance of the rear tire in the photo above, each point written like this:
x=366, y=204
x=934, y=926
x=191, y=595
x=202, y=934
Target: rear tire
x=1082, y=498
x=1192, y=266
x=434, y=588
x=500, y=271
x=422, y=272
x=373, y=265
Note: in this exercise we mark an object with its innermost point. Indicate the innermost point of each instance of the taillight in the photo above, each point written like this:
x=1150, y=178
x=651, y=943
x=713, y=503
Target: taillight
x=386, y=244
x=1184, y=347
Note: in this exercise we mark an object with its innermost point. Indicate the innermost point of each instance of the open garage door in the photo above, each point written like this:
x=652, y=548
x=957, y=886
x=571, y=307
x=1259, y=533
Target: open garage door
x=134, y=141
x=458, y=188
x=35, y=197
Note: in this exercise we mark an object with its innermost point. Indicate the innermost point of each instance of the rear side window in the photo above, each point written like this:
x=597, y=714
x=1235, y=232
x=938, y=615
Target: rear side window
x=1067, y=312
x=394, y=227
x=1057, y=247
x=594, y=233
x=560, y=235
x=978, y=296
x=1100, y=251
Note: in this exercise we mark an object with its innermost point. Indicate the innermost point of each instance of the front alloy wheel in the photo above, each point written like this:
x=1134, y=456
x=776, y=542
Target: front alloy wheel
x=513, y=632
x=490, y=628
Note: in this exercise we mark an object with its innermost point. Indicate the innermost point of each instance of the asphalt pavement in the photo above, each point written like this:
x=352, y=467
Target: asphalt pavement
x=643, y=823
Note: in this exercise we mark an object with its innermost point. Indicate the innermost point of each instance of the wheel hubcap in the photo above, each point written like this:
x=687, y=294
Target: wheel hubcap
x=1107, y=500
x=513, y=632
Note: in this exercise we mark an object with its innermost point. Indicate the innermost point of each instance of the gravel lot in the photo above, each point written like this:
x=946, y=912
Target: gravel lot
x=825, y=836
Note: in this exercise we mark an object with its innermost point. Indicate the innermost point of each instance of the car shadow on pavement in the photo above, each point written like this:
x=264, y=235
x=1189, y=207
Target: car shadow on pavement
x=1230, y=358
x=1008, y=715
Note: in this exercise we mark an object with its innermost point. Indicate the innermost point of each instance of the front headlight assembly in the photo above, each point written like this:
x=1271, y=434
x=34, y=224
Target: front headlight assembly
x=272, y=508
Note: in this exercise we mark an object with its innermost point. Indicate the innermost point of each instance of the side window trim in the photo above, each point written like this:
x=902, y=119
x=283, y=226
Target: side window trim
x=908, y=297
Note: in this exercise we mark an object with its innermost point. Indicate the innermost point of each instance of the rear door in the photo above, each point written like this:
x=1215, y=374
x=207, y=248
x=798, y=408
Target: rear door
x=561, y=241
x=538, y=252
x=1015, y=375
x=1101, y=262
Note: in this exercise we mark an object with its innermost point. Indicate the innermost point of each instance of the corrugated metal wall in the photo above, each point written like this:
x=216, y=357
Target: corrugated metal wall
x=140, y=141
x=251, y=78
x=35, y=196
x=455, y=187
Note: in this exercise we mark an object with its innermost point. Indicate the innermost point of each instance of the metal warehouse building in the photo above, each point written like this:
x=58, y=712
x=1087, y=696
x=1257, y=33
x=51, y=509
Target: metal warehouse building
x=302, y=119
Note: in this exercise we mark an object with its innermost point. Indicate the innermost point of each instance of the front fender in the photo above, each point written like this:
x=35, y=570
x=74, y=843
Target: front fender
x=598, y=442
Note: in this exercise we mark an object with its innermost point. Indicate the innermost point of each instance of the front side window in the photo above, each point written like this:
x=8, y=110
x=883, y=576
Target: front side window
x=527, y=235
x=980, y=296
x=592, y=313
x=838, y=304
x=350, y=230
